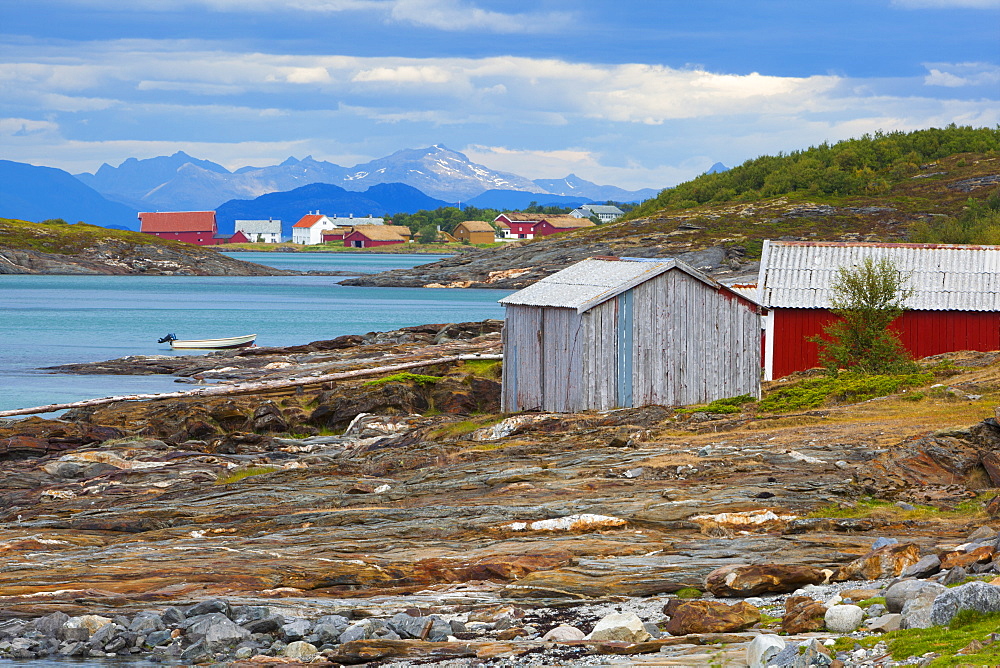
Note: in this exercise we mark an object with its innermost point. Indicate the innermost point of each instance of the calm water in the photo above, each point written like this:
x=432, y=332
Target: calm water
x=48, y=320
x=363, y=263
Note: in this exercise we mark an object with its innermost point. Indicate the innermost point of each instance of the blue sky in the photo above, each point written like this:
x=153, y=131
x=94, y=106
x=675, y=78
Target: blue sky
x=631, y=93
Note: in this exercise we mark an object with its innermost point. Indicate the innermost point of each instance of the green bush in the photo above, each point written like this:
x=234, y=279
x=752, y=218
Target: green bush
x=728, y=405
x=846, y=387
x=405, y=377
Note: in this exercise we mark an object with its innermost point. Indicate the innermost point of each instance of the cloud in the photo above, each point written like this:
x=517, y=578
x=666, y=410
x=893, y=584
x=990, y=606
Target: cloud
x=404, y=74
x=957, y=75
x=24, y=127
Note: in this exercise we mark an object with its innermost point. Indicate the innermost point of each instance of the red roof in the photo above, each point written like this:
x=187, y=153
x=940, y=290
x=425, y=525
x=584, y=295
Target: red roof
x=178, y=221
x=308, y=220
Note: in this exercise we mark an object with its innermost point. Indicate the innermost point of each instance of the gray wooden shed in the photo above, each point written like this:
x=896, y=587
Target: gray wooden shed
x=610, y=332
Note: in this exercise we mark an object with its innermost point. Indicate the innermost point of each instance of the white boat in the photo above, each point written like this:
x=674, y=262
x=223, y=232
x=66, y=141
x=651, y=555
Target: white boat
x=206, y=344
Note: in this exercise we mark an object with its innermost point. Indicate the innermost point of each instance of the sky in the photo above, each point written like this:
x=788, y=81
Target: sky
x=633, y=93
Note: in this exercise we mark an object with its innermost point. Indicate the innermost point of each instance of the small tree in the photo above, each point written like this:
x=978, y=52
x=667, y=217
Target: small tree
x=867, y=299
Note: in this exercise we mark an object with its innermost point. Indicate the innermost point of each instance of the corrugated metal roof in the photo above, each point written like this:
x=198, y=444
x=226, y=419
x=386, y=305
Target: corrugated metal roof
x=944, y=277
x=588, y=283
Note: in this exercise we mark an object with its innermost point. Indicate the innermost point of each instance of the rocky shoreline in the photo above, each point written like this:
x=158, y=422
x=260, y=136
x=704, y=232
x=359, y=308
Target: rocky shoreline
x=404, y=520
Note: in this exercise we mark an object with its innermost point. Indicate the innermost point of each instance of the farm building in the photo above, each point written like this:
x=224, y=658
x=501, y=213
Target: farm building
x=606, y=213
x=609, y=332
x=475, y=232
x=955, y=304
x=517, y=225
x=263, y=231
x=369, y=236
x=193, y=227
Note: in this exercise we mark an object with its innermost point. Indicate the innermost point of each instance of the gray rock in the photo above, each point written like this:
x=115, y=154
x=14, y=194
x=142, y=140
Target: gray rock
x=875, y=610
x=440, y=630
x=843, y=618
x=265, y=625
x=927, y=566
x=882, y=542
x=146, y=622
x=982, y=534
x=299, y=650
x=216, y=629
x=296, y=629
x=329, y=631
x=73, y=634
x=206, y=607
x=885, y=623
x=954, y=576
x=172, y=616
x=49, y=625
x=905, y=506
x=408, y=626
x=815, y=654
x=199, y=652
x=977, y=596
x=763, y=649
x=157, y=638
x=898, y=594
x=103, y=636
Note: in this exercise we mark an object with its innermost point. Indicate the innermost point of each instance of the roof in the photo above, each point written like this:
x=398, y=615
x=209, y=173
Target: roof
x=588, y=283
x=602, y=208
x=475, y=226
x=568, y=222
x=401, y=230
x=259, y=226
x=177, y=221
x=379, y=232
x=519, y=217
x=309, y=220
x=796, y=274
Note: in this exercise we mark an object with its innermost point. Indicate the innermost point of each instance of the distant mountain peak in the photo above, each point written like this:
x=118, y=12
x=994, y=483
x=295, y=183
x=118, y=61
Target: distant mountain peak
x=717, y=168
x=289, y=161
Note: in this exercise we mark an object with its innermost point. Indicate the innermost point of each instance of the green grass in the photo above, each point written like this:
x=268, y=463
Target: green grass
x=870, y=507
x=868, y=602
x=967, y=626
x=728, y=405
x=405, y=377
x=845, y=387
x=62, y=239
x=688, y=592
x=240, y=474
x=484, y=368
x=459, y=429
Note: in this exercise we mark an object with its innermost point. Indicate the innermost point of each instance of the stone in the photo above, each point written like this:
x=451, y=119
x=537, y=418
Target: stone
x=898, y=594
x=984, y=532
x=206, y=607
x=980, y=554
x=882, y=542
x=916, y=611
x=860, y=594
x=977, y=596
x=744, y=580
x=803, y=614
x=709, y=617
x=49, y=625
x=146, y=622
x=762, y=649
x=266, y=625
x=89, y=622
x=625, y=626
x=843, y=618
x=407, y=626
x=812, y=653
x=172, y=616
x=884, y=562
x=876, y=610
x=564, y=632
x=953, y=576
x=299, y=650
x=216, y=629
x=927, y=566
x=296, y=629
x=885, y=623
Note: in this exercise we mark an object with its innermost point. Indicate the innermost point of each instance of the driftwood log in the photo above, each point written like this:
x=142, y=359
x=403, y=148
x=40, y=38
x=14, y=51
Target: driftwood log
x=246, y=388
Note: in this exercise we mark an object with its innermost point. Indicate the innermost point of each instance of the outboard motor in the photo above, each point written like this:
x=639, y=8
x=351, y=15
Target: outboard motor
x=167, y=339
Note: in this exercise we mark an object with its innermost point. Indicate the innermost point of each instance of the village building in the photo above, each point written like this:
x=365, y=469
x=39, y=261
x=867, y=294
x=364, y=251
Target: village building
x=955, y=303
x=236, y=237
x=474, y=232
x=193, y=227
x=517, y=225
x=606, y=213
x=260, y=231
x=337, y=234
x=310, y=228
x=370, y=236
x=609, y=332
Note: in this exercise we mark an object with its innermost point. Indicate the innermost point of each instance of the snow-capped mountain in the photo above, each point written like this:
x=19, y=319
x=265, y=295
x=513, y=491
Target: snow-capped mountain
x=182, y=183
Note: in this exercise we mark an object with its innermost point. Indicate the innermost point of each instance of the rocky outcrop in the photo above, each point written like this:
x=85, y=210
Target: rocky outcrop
x=112, y=256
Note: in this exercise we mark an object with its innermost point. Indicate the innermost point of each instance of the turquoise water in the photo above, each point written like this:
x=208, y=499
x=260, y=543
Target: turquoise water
x=363, y=263
x=49, y=320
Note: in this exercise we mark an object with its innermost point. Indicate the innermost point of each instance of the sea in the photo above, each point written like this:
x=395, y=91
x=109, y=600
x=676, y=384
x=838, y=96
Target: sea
x=51, y=320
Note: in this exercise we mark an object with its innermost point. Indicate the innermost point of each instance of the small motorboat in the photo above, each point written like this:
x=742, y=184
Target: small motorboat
x=210, y=344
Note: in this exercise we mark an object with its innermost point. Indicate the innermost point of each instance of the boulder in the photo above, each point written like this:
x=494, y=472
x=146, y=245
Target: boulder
x=927, y=566
x=843, y=618
x=709, y=617
x=751, y=580
x=885, y=623
x=898, y=594
x=803, y=614
x=626, y=626
x=299, y=650
x=762, y=649
x=216, y=629
x=564, y=632
x=917, y=609
x=977, y=596
x=884, y=562
x=981, y=554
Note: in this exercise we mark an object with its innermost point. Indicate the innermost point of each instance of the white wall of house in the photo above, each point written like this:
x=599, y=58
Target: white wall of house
x=266, y=231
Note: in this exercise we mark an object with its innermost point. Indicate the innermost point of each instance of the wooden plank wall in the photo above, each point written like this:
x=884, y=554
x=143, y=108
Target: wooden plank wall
x=599, y=364
x=561, y=356
x=523, y=378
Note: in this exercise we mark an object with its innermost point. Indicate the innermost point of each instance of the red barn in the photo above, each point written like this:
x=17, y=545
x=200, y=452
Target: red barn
x=955, y=303
x=369, y=236
x=193, y=227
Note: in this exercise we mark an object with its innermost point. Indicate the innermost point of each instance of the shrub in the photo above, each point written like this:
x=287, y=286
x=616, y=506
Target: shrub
x=404, y=377
x=846, y=387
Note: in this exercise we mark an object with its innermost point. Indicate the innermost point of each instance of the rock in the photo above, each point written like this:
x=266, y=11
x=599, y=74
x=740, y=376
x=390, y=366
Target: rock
x=843, y=618
x=564, y=632
x=268, y=418
x=751, y=580
x=88, y=622
x=882, y=542
x=860, y=594
x=296, y=629
x=49, y=625
x=812, y=653
x=985, y=531
x=977, y=596
x=803, y=614
x=299, y=650
x=980, y=554
x=917, y=609
x=709, y=617
x=927, y=566
x=625, y=626
x=898, y=594
x=953, y=576
x=266, y=625
x=884, y=562
x=216, y=629
x=885, y=623
x=875, y=610
x=146, y=622
x=762, y=649
x=207, y=607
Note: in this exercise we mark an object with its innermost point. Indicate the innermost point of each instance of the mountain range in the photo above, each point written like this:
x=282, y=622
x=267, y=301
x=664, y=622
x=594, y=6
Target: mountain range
x=182, y=183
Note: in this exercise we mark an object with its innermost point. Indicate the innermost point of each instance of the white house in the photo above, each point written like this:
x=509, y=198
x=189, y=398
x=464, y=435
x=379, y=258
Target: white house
x=604, y=212
x=310, y=228
x=266, y=231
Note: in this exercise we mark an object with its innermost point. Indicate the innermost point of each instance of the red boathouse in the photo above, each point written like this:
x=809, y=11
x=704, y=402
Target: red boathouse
x=955, y=303
x=193, y=227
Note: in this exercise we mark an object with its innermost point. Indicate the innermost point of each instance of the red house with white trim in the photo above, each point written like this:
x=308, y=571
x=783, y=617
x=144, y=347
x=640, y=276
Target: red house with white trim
x=955, y=304
x=517, y=225
x=193, y=227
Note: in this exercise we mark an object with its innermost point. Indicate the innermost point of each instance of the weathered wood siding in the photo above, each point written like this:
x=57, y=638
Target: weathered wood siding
x=672, y=340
